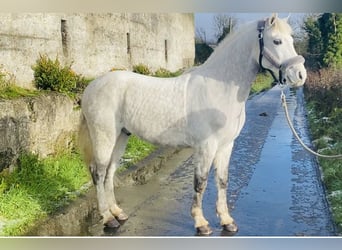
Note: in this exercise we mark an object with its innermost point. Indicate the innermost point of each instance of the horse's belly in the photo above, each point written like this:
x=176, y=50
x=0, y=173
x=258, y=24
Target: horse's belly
x=156, y=114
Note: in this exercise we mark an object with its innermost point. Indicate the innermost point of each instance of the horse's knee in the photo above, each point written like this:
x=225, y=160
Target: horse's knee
x=222, y=183
x=98, y=174
x=200, y=183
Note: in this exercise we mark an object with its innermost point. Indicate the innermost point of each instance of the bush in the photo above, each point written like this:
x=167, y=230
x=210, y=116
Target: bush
x=323, y=91
x=325, y=88
x=51, y=75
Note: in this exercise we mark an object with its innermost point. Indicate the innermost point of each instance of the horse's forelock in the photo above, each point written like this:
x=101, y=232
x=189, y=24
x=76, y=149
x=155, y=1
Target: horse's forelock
x=282, y=26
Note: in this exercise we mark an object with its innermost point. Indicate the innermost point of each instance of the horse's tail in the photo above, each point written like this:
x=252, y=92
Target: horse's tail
x=84, y=141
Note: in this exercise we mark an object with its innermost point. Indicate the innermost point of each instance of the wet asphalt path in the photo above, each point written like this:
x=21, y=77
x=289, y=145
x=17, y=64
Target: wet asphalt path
x=274, y=185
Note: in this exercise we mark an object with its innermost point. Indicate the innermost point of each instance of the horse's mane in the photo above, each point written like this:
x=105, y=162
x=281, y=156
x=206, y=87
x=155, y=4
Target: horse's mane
x=224, y=44
x=280, y=25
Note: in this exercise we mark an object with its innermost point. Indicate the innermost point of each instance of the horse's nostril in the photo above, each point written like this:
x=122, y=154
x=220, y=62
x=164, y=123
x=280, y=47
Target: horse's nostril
x=300, y=75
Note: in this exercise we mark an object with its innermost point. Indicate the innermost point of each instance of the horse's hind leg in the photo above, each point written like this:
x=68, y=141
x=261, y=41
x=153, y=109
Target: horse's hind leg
x=118, y=151
x=103, y=141
x=221, y=163
x=203, y=158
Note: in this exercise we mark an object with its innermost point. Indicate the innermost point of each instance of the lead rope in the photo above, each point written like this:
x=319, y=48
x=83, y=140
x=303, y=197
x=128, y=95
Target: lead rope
x=283, y=99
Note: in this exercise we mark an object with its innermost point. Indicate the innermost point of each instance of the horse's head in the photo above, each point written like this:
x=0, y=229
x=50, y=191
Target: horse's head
x=277, y=53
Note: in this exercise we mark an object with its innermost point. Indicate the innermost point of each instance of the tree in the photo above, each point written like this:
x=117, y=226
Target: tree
x=332, y=34
x=315, y=44
x=324, y=40
x=202, y=49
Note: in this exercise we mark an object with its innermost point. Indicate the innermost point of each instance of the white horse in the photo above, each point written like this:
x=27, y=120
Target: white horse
x=204, y=109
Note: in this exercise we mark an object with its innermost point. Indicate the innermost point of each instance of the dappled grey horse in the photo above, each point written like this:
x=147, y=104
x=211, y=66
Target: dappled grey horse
x=204, y=109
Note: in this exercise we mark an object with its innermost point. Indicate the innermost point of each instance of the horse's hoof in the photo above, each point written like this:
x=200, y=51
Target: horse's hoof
x=114, y=224
x=230, y=228
x=204, y=230
x=121, y=218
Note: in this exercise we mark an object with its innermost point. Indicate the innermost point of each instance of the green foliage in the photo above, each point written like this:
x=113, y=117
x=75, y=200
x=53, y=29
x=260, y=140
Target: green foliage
x=141, y=69
x=52, y=75
x=324, y=40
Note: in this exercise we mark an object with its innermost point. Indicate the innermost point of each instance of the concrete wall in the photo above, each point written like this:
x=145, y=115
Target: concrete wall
x=96, y=43
x=42, y=125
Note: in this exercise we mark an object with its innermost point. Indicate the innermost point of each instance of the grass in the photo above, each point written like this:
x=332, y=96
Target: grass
x=136, y=150
x=37, y=188
x=14, y=92
x=8, y=89
x=262, y=82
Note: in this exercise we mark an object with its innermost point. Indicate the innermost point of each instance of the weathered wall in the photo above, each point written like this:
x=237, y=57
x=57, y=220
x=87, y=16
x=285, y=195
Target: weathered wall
x=41, y=125
x=95, y=43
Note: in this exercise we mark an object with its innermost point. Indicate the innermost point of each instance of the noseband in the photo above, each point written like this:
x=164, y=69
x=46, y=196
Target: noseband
x=264, y=52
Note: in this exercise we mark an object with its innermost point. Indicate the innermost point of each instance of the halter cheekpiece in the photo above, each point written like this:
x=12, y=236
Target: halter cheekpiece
x=264, y=52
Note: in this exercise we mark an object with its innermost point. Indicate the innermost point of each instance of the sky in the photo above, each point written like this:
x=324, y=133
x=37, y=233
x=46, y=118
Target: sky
x=205, y=20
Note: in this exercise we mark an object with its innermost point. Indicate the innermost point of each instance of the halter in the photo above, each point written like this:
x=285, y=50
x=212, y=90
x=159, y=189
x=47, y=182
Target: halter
x=264, y=52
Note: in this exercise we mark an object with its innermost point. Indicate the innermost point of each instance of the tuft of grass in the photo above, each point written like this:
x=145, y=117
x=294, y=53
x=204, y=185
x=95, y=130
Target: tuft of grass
x=136, y=150
x=13, y=92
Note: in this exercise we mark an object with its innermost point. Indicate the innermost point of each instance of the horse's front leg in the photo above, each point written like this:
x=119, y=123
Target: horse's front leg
x=221, y=163
x=203, y=158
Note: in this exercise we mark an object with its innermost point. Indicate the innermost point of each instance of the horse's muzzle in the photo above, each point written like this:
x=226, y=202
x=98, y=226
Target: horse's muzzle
x=293, y=72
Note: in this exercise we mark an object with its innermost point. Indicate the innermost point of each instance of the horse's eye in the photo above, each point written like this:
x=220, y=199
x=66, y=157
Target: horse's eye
x=277, y=41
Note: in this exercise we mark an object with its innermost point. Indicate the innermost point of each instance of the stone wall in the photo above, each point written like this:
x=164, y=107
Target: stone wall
x=42, y=125
x=95, y=43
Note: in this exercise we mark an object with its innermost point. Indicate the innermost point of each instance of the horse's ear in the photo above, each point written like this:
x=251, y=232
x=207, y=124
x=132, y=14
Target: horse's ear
x=272, y=19
x=287, y=18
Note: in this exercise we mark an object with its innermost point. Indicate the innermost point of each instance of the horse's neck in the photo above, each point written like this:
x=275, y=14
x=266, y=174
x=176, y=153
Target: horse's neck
x=234, y=61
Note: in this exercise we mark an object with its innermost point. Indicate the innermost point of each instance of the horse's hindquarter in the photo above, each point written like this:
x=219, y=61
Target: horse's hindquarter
x=153, y=108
